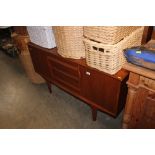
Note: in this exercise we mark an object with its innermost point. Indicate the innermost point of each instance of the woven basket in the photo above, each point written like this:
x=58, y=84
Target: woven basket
x=29, y=69
x=69, y=40
x=108, y=34
x=110, y=58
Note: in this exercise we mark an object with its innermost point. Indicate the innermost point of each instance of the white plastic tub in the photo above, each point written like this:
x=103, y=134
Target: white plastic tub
x=42, y=36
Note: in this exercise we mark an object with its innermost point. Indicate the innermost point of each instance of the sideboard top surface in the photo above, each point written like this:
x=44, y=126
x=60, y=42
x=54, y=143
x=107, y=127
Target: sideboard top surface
x=120, y=75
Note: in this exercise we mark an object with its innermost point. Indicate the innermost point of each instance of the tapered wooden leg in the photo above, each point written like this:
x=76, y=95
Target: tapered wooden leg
x=49, y=87
x=94, y=113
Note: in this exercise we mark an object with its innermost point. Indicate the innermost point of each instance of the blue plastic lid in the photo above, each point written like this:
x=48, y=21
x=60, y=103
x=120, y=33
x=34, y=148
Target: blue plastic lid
x=148, y=56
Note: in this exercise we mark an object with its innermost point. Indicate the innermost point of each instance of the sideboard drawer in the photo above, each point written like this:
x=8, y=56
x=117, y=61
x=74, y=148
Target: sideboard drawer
x=146, y=82
x=64, y=73
x=70, y=68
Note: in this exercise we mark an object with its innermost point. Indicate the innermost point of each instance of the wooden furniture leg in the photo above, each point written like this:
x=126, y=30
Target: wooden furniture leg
x=128, y=107
x=49, y=87
x=94, y=113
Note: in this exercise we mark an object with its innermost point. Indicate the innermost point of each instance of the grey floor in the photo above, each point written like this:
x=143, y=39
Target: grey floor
x=26, y=105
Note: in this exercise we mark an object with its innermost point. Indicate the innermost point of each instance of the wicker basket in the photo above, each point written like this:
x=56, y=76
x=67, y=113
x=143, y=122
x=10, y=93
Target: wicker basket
x=29, y=69
x=108, y=34
x=69, y=40
x=110, y=58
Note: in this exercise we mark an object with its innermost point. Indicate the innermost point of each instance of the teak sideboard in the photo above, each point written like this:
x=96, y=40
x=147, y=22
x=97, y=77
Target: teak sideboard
x=101, y=91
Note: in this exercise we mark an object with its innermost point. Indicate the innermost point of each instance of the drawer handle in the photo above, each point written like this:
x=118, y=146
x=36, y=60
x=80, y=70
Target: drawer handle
x=87, y=73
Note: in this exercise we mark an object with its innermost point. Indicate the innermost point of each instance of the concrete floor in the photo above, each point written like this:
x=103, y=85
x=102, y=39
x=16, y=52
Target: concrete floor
x=27, y=105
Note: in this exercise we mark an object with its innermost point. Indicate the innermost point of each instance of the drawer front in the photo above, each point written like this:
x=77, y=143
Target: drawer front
x=137, y=81
x=148, y=83
x=64, y=73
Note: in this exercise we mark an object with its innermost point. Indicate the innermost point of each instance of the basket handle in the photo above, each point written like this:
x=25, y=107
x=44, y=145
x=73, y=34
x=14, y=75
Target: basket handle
x=98, y=49
x=95, y=48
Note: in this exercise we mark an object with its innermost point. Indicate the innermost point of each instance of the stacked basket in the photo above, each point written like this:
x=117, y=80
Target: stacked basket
x=42, y=36
x=104, y=45
x=69, y=40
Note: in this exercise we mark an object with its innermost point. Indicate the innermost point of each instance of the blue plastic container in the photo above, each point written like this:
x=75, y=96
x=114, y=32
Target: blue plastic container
x=141, y=57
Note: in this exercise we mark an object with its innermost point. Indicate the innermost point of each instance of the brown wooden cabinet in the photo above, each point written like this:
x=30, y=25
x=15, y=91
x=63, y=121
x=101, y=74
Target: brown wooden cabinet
x=143, y=110
x=100, y=90
x=140, y=107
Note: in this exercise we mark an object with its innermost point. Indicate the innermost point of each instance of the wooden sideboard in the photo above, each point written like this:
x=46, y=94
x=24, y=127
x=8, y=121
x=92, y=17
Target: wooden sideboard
x=101, y=91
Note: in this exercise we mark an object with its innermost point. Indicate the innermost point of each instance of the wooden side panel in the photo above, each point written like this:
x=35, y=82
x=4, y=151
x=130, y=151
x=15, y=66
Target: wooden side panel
x=39, y=60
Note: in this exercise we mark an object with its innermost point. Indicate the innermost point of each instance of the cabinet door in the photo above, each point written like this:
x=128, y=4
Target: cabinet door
x=39, y=60
x=101, y=89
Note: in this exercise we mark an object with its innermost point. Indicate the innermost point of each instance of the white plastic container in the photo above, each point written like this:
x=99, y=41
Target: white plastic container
x=42, y=36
